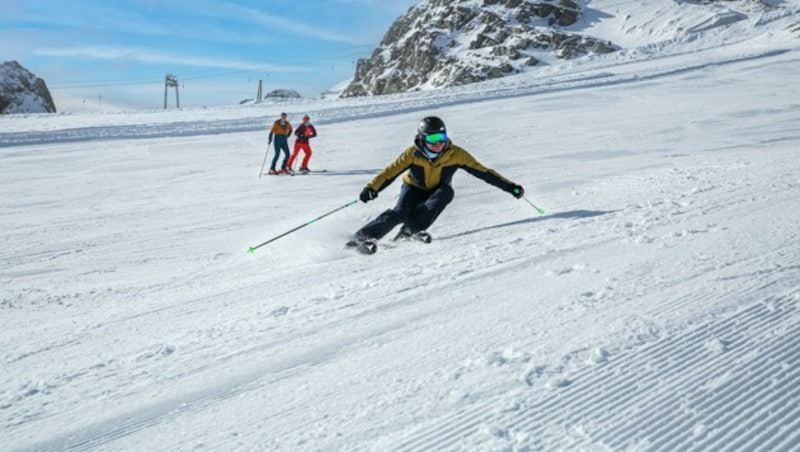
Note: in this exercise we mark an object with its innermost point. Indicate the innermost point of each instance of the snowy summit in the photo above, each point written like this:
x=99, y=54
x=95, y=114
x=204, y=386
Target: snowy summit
x=654, y=305
x=442, y=43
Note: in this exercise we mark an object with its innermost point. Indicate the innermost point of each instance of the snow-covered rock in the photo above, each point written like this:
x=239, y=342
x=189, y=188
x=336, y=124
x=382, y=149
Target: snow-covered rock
x=441, y=43
x=283, y=94
x=23, y=92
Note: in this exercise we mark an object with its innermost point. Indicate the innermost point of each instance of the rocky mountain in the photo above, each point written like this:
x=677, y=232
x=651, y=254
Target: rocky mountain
x=441, y=43
x=23, y=92
x=283, y=94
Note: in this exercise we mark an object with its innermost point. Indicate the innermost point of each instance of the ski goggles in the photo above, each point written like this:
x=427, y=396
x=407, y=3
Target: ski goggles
x=436, y=138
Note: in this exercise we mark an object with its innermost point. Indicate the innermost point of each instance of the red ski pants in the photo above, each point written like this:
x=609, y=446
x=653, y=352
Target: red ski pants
x=305, y=147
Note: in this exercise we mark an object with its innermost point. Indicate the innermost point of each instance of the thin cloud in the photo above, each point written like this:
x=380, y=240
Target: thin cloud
x=167, y=21
x=150, y=57
x=395, y=6
x=281, y=23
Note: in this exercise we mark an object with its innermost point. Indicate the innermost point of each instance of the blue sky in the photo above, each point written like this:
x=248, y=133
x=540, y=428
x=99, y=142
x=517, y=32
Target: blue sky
x=119, y=52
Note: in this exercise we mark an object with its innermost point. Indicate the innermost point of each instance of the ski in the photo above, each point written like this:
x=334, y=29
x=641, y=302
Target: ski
x=363, y=247
x=280, y=174
x=421, y=236
x=370, y=246
x=304, y=173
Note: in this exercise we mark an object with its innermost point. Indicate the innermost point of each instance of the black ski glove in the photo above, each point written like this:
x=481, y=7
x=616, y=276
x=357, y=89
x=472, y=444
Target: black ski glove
x=367, y=194
x=517, y=191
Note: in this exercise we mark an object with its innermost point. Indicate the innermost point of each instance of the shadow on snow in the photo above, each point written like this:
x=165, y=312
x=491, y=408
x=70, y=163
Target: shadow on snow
x=563, y=215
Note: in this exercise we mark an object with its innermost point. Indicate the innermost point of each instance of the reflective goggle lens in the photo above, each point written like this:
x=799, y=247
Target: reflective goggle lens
x=436, y=138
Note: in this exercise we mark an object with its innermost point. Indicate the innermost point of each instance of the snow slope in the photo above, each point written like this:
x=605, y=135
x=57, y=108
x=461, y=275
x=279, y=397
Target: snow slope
x=654, y=306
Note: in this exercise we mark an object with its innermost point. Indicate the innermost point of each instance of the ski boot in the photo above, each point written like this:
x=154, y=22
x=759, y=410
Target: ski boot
x=363, y=245
x=407, y=234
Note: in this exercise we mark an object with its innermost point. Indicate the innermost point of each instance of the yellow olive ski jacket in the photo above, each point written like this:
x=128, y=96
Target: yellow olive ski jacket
x=428, y=174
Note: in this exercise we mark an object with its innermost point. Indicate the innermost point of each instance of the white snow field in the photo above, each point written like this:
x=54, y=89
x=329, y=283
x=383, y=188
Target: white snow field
x=655, y=305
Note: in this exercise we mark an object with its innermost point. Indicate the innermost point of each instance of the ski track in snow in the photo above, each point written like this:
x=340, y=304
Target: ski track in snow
x=748, y=362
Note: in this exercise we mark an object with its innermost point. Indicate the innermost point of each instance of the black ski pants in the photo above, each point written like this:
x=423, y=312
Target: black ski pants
x=416, y=208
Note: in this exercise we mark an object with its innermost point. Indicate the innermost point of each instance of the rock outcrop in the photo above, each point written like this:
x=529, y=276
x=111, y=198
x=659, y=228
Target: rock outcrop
x=441, y=43
x=282, y=94
x=23, y=92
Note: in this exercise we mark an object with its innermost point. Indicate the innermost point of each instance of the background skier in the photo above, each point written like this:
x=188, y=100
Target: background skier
x=303, y=134
x=281, y=131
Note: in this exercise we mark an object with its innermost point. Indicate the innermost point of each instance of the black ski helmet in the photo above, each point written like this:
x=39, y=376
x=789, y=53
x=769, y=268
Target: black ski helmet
x=430, y=125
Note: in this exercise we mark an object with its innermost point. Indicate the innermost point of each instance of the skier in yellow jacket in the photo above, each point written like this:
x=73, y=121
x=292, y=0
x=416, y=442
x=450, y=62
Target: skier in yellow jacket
x=431, y=163
x=281, y=131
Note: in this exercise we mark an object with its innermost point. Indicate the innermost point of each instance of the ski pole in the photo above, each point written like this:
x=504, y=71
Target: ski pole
x=538, y=209
x=253, y=248
x=265, y=161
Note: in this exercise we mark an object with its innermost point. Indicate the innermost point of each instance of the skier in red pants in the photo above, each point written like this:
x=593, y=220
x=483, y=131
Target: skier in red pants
x=303, y=133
